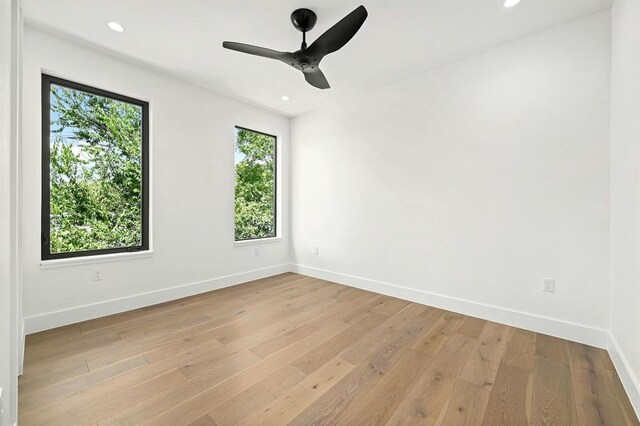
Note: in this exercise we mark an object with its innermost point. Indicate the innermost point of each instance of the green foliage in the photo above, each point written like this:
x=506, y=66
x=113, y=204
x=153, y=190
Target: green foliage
x=96, y=172
x=255, y=185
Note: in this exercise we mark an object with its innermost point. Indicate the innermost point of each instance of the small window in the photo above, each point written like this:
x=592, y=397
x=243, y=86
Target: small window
x=95, y=148
x=255, y=160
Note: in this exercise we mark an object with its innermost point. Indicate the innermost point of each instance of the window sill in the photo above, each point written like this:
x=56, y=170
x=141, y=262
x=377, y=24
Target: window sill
x=90, y=260
x=257, y=241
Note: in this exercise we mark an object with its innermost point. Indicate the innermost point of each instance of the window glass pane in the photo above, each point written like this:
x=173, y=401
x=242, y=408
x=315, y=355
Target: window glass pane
x=96, y=175
x=255, y=160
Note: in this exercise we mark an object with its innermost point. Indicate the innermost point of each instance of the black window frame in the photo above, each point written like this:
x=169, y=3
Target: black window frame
x=275, y=187
x=47, y=81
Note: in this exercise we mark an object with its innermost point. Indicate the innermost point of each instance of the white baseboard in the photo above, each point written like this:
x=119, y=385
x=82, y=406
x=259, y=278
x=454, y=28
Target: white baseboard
x=629, y=380
x=77, y=314
x=540, y=324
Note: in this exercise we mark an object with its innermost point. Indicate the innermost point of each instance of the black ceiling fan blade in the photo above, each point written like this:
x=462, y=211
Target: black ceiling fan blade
x=338, y=35
x=316, y=78
x=256, y=50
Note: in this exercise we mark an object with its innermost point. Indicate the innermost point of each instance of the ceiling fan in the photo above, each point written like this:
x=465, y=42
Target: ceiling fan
x=307, y=59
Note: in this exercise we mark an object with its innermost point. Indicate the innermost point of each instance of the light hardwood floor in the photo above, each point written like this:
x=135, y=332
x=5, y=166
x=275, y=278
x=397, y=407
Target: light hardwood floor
x=297, y=350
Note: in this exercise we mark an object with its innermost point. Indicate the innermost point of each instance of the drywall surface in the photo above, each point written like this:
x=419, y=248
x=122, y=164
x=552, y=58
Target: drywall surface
x=5, y=203
x=472, y=181
x=192, y=196
x=625, y=192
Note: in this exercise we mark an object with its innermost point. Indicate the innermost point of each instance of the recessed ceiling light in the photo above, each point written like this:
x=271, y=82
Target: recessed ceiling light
x=115, y=26
x=510, y=3
x=285, y=98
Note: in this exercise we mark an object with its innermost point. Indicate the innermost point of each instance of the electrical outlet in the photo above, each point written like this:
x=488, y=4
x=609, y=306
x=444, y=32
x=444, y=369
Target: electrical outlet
x=256, y=252
x=315, y=250
x=97, y=275
x=549, y=285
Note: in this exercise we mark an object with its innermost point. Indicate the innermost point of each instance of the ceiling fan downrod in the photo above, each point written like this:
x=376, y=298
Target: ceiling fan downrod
x=304, y=20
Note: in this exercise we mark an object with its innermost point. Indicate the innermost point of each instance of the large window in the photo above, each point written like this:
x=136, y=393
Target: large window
x=255, y=159
x=95, y=147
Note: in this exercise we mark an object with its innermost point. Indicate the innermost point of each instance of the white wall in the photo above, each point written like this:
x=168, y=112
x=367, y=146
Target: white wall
x=472, y=181
x=625, y=195
x=192, y=143
x=9, y=291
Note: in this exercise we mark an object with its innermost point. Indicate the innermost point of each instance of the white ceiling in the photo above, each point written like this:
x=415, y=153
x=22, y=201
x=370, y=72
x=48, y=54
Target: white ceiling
x=400, y=38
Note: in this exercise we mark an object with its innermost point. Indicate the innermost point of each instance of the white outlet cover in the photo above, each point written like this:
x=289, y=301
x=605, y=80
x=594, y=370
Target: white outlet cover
x=549, y=285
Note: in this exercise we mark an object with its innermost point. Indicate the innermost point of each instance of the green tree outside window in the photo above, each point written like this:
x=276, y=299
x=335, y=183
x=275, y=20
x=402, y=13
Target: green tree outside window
x=255, y=209
x=95, y=172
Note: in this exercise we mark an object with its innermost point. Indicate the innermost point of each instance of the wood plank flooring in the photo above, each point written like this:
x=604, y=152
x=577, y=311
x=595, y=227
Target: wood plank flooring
x=296, y=350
